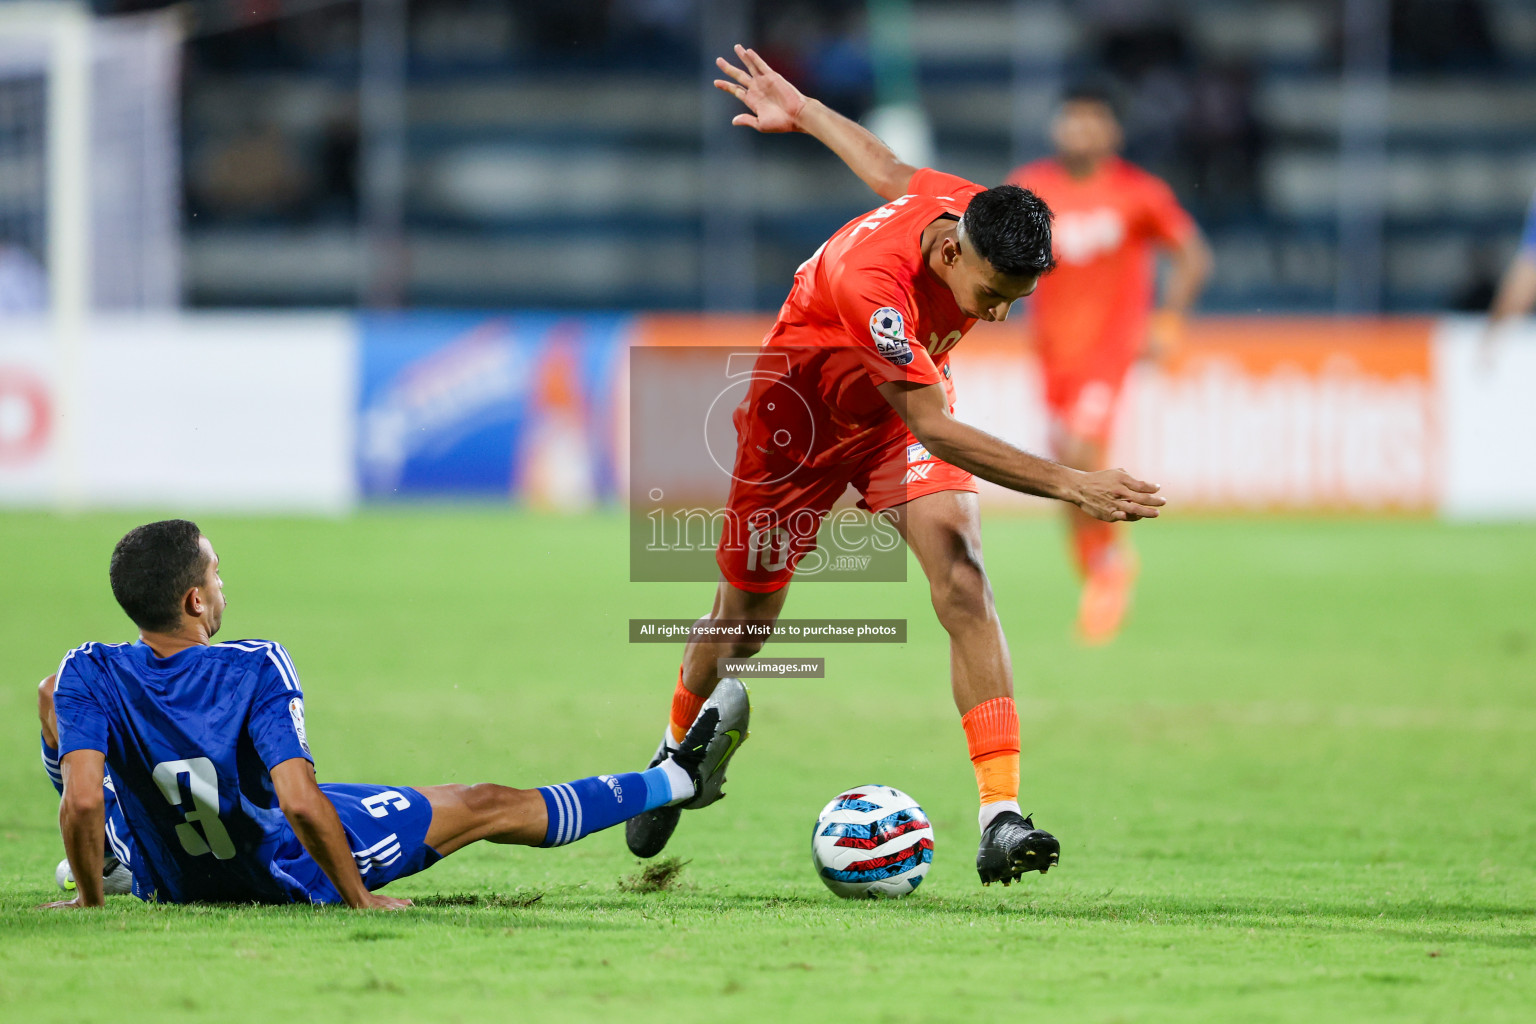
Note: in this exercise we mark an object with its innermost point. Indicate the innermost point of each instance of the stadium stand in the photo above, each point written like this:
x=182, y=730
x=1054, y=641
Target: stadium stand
x=585, y=119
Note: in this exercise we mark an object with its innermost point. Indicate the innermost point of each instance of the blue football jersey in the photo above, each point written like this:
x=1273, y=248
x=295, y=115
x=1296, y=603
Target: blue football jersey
x=190, y=741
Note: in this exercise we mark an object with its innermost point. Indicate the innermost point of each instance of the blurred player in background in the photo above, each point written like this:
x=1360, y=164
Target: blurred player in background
x=864, y=339
x=1517, y=291
x=1095, y=317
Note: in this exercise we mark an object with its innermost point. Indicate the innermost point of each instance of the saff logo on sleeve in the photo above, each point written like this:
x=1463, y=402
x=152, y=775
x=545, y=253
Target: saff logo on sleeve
x=890, y=333
x=296, y=712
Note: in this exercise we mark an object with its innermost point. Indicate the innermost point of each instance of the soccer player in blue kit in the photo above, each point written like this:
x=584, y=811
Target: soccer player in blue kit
x=213, y=778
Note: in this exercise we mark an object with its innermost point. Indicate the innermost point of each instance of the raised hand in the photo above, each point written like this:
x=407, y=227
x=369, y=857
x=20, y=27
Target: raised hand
x=775, y=104
x=1113, y=495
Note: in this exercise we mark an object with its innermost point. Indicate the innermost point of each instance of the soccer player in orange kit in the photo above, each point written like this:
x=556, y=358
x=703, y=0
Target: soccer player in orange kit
x=861, y=394
x=1095, y=317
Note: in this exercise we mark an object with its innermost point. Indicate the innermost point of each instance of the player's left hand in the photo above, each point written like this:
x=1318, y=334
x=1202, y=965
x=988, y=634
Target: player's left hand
x=73, y=904
x=1166, y=335
x=775, y=104
x=1115, y=496
x=373, y=901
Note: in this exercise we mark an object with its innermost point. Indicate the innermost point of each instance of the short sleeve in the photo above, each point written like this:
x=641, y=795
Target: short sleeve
x=276, y=723
x=82, y=722
x=876, y=312
x=1162, y=217
x=929, y=182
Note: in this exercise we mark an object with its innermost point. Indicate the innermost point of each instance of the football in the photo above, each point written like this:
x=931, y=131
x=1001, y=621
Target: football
x=872, y=841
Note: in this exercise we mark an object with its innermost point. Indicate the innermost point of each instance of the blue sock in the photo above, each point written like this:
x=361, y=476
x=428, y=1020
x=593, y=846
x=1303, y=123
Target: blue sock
x=51, y=764
x=592, y=804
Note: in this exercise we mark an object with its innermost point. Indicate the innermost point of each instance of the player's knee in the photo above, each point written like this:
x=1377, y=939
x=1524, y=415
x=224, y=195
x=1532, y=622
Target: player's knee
x=45, y=699
x=486, y=797
x=741, y=646
x=961, y=593
x=494, y=804
x=745, y=647
x=504, y=814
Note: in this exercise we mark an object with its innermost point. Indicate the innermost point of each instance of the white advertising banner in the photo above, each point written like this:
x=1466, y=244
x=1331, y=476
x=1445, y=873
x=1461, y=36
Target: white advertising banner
x=1355, y=415
x=28, y=414
x=1487, y=393
x=250, y=412
x=1335, y=417
x=259, y=412
x=1252, y=414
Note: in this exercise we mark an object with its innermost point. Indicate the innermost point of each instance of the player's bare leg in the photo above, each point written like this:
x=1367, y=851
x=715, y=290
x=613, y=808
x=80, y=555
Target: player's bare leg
x=45, y=713
x=1102, y=553
x=701, y=658
x=496, y=814
x=697, y=678
x=944, y=532
x=555, y=815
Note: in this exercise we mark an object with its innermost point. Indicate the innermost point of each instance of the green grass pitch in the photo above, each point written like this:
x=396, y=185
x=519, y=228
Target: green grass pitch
x=1301, y=787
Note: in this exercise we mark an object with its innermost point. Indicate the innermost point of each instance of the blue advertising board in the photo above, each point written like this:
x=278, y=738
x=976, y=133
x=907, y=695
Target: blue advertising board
x=489, y=406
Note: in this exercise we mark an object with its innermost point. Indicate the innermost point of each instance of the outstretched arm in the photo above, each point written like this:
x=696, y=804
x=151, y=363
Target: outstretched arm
x=777, y=106
x=1191, y=265
x=82, y=822
x=1112, y=495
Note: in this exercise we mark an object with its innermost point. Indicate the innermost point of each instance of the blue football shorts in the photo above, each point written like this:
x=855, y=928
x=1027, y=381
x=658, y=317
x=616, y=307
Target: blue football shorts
x=386, y=828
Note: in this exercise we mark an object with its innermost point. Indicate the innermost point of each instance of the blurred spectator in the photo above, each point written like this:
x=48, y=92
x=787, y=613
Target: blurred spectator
x=255, y=175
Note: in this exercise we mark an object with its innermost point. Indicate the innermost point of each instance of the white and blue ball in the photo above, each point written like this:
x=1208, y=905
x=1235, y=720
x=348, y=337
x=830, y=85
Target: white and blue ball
x=872, y=841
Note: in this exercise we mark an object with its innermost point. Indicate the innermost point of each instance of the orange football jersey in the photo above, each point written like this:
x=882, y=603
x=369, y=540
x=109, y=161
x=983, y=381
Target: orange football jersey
x=864, y=309
x=1090, y=314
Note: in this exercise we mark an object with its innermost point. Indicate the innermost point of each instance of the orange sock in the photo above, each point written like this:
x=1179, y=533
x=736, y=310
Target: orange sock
x=1092, y=540
x=992, y=734
x=685, y=708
